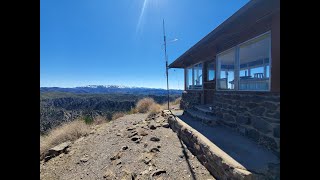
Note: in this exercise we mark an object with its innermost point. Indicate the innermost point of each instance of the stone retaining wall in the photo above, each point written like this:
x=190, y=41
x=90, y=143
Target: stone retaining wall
x=220, y=164
x=253, y=114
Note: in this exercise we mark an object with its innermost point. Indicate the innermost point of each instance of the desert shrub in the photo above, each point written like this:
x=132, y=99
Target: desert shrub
x=118, y=115
x=133, y=111
x=144, y=105
x=99, y=120
x=109, y=116
x=67, y=132
x=155, y=108
x=88, y=119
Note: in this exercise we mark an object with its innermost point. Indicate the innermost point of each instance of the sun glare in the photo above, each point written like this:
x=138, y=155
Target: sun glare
x=141, y=14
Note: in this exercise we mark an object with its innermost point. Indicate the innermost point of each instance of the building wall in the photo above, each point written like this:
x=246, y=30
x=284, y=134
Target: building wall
x=191, y=98
x=275, y=53
x=252, y=114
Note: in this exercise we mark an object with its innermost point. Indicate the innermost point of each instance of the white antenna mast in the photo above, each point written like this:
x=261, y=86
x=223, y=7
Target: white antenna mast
x=166, y=58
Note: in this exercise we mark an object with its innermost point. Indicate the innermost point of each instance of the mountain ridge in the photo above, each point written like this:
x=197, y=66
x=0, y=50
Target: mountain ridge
x=103, y=89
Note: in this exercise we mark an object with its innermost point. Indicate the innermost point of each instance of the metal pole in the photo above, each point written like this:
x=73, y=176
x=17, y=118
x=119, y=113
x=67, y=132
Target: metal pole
x=166, y=58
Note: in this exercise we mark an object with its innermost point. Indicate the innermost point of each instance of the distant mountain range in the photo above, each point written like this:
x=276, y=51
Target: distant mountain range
x=110, y=89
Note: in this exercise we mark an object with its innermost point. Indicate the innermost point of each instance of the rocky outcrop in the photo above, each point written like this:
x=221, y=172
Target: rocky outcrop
x=55, y=151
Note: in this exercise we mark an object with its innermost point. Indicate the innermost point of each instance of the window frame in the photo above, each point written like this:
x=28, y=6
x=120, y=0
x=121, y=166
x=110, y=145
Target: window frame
x=237, y=65
x=187, y=76
x=218, y=68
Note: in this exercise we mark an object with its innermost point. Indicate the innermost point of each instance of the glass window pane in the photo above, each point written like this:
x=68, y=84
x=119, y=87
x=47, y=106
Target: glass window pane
x=198, y=76
x=210, y=71
x=254, y=64
x=226, y=67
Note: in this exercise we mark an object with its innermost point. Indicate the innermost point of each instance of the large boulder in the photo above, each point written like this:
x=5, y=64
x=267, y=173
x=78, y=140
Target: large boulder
x=55, y=151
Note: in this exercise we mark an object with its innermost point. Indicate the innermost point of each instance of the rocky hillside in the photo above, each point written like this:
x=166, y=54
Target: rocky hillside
x=132, y=147
x=59, y=107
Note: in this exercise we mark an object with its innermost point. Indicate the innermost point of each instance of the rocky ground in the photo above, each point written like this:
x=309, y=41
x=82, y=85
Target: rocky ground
x=132, y=147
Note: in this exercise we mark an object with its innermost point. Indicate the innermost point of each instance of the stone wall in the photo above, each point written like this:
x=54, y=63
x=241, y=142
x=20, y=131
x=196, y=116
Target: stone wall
x=220, y=164
x=190, y=98
x=253, y=114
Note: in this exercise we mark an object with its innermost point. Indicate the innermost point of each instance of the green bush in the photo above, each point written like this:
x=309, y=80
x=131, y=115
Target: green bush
x=88, y=119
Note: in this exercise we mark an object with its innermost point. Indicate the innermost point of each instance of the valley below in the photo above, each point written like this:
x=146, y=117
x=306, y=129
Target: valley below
x=58, y=106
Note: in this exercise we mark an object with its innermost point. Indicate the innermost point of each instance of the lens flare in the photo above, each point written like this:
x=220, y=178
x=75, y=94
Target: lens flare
x=141, y=15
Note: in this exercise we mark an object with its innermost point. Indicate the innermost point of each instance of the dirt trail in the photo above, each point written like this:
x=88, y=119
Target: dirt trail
x=127, y=148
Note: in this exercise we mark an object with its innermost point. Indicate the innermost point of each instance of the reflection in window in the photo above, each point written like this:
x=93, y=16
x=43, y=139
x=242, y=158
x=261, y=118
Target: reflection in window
x=197, y=75
x=246, y=66
x=254, y=64
x=225, y=70
x=210, y=71
x=194, y=74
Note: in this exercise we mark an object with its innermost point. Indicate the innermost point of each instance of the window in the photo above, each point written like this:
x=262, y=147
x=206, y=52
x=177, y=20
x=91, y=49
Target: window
x=246, y=66
x=226, y=68
x=197, y=75
x=194, y=74
x=254, y=62
x=210, y=71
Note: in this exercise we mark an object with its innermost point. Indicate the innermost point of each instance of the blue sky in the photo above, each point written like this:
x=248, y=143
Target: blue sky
x=120, y=42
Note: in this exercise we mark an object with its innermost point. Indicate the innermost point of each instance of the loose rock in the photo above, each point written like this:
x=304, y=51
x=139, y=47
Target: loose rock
x=147, y=157
x=130, y=128
x=166, y=125
x=84, y=159
x=124, y=147
x=55, y=151
x=116, y=156
x=142, y=132
x=158, y=172
x=154, y=150
x=136, y=139
x=152, y=125
x=133, y=133
x=154, y=139
x=109, y=175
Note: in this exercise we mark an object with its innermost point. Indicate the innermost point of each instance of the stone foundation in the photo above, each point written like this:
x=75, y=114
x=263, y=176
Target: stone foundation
x=253, y=114
x=190, y=98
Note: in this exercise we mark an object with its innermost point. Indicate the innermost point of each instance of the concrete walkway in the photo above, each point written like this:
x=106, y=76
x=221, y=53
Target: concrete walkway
x=252, y=156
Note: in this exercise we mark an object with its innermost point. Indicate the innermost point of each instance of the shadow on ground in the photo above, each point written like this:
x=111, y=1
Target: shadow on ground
x=251, y=155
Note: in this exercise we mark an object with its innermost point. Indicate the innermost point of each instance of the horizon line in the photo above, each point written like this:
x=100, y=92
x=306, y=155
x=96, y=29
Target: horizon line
x=107, y=85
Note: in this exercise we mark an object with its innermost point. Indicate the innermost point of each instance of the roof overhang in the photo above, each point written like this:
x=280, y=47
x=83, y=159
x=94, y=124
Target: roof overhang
x=230, y=32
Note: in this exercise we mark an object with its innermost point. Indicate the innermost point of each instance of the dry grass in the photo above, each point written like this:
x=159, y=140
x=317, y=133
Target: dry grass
x=164, y=105
x=118, y=115
x=155, y=108
x=67, y=132
x=99, y=120
x=177, y=101
x=171, y=103
x=144, y=105
x=148, y=105
x=132, y=111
